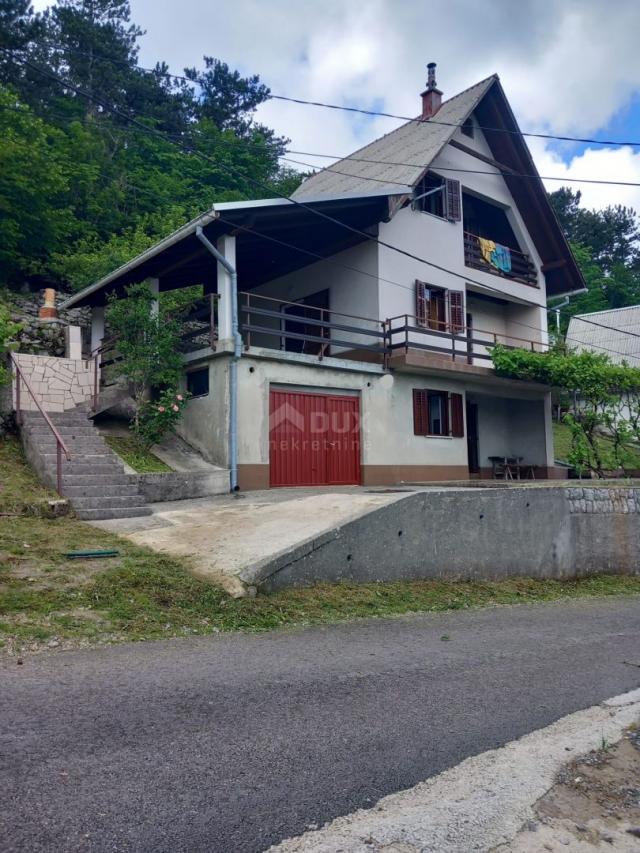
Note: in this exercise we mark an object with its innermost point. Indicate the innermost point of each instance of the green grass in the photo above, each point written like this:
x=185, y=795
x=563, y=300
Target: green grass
x=144, y=595
x=562, y=444
x=142, y=461
x=47, y=598
x=20, y=490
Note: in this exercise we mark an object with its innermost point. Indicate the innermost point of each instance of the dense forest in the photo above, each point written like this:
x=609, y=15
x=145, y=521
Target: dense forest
x=99, y=157
x=94, y=171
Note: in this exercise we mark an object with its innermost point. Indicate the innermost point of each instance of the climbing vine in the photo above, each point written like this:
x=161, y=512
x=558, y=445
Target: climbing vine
x=603, y=402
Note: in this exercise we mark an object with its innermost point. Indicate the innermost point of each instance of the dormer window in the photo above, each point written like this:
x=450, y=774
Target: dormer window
x=467, y=128
x=438, y=196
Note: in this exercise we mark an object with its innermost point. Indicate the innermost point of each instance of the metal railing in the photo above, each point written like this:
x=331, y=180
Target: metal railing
x=265, y=320
x=60, y=445
x=404, y=332
x=522, y=267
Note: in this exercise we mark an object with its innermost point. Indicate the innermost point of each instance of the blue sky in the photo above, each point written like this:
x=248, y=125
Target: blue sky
x=568, y=66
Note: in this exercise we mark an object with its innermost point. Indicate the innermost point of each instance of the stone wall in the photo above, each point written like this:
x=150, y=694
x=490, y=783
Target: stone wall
x=59, y=383
x=45, y=338
x=468, y=534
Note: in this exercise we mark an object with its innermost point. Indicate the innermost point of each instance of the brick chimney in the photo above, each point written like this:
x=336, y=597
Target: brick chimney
x=432, y=96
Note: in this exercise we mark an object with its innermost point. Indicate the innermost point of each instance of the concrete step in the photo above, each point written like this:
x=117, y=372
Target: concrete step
x=43, y=429
x=118, y=478
x=104, y=502
x=100, y=489
x=97, y=470
x=100, y=514
x=70, y=416
x=91, y=445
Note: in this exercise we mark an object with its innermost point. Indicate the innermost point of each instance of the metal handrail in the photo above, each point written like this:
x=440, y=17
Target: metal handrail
x=60, y=445
x=309, y=307
x=459, y=334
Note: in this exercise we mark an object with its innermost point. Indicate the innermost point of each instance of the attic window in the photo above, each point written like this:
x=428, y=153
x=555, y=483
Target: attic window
x=439, y=197
x=467, y=127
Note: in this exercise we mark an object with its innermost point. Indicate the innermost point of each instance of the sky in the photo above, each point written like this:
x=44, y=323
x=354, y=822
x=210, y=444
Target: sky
x=569, y=67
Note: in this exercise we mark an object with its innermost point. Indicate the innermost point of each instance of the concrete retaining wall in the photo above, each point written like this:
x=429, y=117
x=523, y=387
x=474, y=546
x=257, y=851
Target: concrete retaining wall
x=177, y=485
x=472, y=534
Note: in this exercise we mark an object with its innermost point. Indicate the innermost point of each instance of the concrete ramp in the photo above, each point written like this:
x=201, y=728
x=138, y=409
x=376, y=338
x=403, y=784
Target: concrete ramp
x=236, y=541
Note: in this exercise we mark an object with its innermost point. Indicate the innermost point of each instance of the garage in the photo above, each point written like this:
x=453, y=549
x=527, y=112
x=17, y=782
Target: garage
x=314, y=439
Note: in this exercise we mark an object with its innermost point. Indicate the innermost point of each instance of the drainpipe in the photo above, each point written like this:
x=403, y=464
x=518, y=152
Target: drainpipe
x=557, y=309
x=237, y=352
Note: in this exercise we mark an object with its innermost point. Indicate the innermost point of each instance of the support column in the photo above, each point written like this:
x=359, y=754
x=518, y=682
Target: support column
x=226, y=245
x=154, y=287
x=97, y=326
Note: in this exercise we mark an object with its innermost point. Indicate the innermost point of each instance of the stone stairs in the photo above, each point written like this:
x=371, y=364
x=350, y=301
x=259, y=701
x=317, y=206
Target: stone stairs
x=94, y=480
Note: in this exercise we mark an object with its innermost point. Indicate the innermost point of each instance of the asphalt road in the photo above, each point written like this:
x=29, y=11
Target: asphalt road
x=232, y=743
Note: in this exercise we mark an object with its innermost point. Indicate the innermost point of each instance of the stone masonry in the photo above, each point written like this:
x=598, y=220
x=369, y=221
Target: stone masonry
x=603, y=500
x=59, y=383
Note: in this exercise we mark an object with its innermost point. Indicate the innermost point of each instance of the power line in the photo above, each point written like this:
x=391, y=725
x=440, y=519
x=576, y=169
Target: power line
x=454, y=124
x=134, y=120
x=360, y=110
x=506, y=170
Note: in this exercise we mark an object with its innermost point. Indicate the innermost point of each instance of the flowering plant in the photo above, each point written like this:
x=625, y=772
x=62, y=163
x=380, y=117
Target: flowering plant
x=157, y=417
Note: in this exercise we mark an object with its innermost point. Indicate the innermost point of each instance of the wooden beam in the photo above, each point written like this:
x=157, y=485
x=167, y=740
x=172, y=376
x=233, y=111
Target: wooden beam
x=479, y=156
x=553, y=265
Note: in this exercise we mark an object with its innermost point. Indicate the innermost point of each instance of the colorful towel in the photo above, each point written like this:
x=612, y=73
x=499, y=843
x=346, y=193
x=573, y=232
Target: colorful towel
x=487, y=248
x=496, y=255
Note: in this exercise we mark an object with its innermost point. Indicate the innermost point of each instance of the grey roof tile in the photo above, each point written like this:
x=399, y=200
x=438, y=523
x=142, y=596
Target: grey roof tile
x=416, y=142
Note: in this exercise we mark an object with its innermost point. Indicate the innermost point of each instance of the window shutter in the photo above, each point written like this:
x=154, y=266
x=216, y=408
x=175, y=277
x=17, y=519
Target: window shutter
x=456, y=310
x=452, y=196
x=422, y=317
x=457, y=416
x=420, y=413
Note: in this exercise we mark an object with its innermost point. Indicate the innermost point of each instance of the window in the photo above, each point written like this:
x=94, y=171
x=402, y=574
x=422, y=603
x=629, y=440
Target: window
x=439, y=197
x=439, y=309
x=198, y=382
x=467, y=127
x=437, y=413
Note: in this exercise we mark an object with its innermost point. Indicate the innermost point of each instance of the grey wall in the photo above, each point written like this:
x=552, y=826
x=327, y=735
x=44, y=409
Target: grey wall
x=484, y=533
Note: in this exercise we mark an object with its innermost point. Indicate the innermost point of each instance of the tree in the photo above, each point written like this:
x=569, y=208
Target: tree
x=149, y=353
x=8, y=331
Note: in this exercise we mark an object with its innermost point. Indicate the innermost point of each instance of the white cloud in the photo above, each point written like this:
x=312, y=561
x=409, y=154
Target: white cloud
x=567, y=66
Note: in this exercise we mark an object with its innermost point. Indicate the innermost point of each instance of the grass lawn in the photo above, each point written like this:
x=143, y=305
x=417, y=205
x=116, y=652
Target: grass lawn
x=50, y=600
x=20, y=489
x=562, y=443
x=46, y=597
x=142, y=461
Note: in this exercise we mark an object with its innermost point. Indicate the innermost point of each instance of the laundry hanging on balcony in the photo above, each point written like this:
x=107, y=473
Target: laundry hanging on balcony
x=495, y=254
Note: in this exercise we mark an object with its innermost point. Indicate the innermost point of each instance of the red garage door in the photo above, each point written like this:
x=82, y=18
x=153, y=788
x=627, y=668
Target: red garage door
x=314, y=439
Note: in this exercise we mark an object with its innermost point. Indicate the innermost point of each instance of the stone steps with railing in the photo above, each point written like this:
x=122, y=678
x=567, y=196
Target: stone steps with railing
x=94, y=478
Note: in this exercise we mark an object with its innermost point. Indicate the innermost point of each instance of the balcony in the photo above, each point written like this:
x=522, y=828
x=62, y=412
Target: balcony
x=522, y=267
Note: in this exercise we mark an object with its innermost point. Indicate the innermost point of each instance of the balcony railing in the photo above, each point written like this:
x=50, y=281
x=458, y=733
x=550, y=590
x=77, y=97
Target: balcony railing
x=295, y=327
x=271, y=323
x=404, y=333
x=522, y=267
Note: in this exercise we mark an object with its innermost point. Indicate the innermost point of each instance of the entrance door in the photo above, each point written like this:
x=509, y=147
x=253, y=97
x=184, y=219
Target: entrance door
x=314, y=439
x=472, y=438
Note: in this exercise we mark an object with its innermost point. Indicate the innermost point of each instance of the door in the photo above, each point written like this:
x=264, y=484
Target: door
x=314, y=439
x=301, y=320
x=472, y=438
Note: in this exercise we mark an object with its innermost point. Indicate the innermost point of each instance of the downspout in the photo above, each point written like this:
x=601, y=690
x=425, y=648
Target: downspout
x=233, y=367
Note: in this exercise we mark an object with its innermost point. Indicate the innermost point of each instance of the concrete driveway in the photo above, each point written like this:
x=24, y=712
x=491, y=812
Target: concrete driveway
x=227, y=535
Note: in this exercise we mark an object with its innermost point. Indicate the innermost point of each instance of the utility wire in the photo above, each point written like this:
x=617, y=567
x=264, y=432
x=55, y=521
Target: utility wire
x=135, y=121
x=507, y=170
x=360, y=110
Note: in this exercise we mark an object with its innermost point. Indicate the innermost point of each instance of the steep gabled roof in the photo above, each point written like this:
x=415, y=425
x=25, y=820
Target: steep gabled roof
x=416, y=142
x=419, y=142
x=610, y=336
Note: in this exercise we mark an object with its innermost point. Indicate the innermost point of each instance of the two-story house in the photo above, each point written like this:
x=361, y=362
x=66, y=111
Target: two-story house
x=344, y=335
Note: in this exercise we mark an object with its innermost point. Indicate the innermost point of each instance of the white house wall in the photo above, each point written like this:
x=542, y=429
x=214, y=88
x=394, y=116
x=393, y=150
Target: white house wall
x=351, y=292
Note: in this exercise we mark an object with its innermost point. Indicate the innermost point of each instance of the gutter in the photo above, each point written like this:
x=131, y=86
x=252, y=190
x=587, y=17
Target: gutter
x=237, y=352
